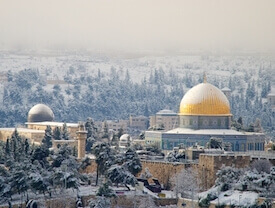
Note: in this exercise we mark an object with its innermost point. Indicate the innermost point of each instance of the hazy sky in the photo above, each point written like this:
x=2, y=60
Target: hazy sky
x=138, y=24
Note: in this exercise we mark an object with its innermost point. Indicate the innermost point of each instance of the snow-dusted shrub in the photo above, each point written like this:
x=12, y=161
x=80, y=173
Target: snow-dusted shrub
x=119, y=174
x=205, y=202
x=259, y=182
x=227, y=176
x=106, y=191
x=100, y=202
x=175, y=156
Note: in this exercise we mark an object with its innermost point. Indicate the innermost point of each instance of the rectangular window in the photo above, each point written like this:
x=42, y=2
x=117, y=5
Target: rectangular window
x=200, y=121
x=219, y=122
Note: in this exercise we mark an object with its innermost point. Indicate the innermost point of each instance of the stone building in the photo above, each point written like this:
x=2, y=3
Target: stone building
x=138, y=122
x=116, y=125
x=165, y=118
x=204, y=112
x=39, y=117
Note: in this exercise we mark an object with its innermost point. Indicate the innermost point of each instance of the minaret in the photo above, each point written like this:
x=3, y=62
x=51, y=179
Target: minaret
x=204, y=78
x=81, y=141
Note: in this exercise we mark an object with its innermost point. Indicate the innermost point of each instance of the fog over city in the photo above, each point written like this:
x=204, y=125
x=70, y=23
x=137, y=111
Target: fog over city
x=137, y=25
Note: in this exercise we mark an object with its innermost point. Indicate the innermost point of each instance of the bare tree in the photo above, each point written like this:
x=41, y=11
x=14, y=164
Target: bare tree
x=261, y=166
x=186, y=183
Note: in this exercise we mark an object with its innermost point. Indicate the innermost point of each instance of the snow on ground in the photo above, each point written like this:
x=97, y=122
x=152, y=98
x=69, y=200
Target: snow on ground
x=245, y=198
x=55, y=65
x=230, y=197
x=86, y=191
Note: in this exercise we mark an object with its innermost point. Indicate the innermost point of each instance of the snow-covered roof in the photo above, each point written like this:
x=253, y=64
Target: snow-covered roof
x=51, y=123
x=205, y=131
x=226, y=89
x=22, y=130
x=166, y=112
x=271, y=94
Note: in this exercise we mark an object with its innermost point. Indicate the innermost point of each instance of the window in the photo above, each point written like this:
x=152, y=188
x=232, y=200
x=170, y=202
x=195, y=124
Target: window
x=200, y=121
x=219, y=122
x=191, y=122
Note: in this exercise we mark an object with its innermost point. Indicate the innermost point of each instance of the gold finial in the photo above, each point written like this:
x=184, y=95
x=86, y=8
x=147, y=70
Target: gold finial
x=204, y=78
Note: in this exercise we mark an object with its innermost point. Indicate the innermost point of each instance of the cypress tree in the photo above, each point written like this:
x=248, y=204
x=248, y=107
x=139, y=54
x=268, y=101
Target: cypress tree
x=47, y=140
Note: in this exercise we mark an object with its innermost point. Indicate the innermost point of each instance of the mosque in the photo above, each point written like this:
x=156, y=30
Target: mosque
x=39, y=117
x=204, y=112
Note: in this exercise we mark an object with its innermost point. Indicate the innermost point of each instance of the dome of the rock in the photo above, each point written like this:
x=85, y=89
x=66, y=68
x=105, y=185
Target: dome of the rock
x=204, y=99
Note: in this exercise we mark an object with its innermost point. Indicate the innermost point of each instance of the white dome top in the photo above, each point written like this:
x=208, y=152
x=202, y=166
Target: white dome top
x=204, y=99
x=125, y=137
x=166, y=112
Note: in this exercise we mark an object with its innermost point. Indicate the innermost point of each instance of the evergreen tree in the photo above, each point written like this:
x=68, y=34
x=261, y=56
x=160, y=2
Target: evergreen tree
x=92, y=134
x=26, y=147
x=105, y=130
x=104, y=158
x=132, y=162
x=65, y=133
x=57, y=133
x=7, y=148
x=47, y=140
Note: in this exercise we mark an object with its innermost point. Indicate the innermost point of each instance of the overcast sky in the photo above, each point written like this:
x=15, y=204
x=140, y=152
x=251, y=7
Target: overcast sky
x=138, y=24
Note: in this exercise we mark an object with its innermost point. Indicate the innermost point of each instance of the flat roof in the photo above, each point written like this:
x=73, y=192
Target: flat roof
x=205, y=131
x=52, y=123
x=22, y=130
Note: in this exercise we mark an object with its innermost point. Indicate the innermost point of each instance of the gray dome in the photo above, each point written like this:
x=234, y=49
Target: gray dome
x=40, y=113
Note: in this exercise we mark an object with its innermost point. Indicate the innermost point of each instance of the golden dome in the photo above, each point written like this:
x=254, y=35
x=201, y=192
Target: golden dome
x=204, y=99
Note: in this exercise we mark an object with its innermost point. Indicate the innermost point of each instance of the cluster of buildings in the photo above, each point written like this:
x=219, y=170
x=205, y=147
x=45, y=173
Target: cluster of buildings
x=204, y=112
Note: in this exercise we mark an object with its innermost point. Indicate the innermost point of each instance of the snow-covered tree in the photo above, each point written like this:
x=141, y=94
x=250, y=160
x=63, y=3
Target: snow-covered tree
x=57, y=133
x=175, y=156
x=106, y=191
x=65, y=133
x=92, y=134
x=100, y=202
x=227, y=176
x=186, y=183
x=214, y=143
x=119, y=174
x=104, y=157
x=47, y=140
x=132, y=162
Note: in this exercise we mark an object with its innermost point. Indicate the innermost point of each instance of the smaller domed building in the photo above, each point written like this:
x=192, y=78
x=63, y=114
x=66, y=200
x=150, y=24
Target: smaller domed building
x=40, y=116
x=125, y=141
